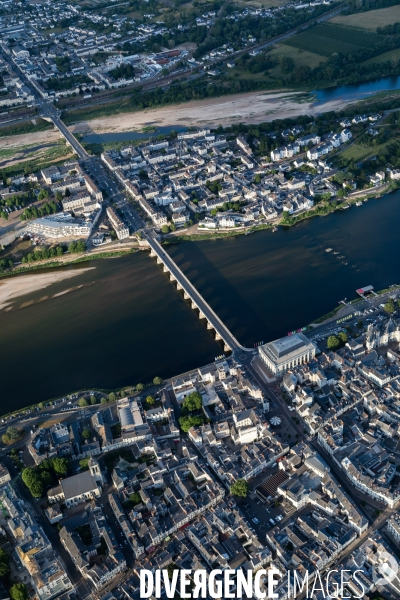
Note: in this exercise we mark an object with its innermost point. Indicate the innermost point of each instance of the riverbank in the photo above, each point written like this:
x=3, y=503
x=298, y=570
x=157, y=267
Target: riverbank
x=251, y=107
x=201, y=235
x=65, y=261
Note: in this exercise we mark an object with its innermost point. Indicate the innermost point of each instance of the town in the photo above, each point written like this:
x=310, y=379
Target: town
x=193, y=182
x=283, y=457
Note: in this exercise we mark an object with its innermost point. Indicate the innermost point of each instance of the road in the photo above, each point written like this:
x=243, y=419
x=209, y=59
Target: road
x=195, y=296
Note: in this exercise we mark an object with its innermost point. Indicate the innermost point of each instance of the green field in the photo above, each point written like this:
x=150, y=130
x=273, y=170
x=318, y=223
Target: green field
x=391, y=55
x=302, y=58
x=371, y=19
x=326, y=39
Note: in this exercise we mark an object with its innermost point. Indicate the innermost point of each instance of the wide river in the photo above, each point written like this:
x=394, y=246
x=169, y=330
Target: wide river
x=128, y=323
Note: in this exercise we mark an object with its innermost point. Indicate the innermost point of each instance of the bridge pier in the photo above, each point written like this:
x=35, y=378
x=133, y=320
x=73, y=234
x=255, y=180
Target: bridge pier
x=217, y=336
x=159, y=261
x=186, y=295
x=194, y=306
x=226, y=348
x=152, y=253
x=165, y=269
x=209, y=326
x=202, y=316
x=172, y=278
x=178, y=286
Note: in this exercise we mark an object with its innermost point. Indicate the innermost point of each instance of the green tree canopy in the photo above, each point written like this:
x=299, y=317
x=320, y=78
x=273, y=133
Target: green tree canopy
x=139, y=387
x=157, y=380
x=135, y=498
x=240, y=488
x=4, y=562
x=86, y=434
x=389, y=307
x=82, y=402
x=18, y=591
x=112, y=397
x=60, y=466
x=84, y=464
x=93, y=399
x=333, y=342
x=193, y=402
x=103, y=401
x=150, y=400
x=13, y=433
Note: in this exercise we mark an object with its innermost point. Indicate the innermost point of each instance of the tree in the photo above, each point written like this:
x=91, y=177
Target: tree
x=139, y=387
x=60, y=466
x=58, y=196
x=86, y=434
x=165, y=229
x=19, y=592
x=13, y=433
x=93, y=399
x=33, y=482
x=103, y=401
x=240, y=488
x=112, y=397
x=188, y=421
x=157, y=381
x=150, y=400
x=333, y=342
x=193, y=401
x=84, y=464
x=343, y=337
x=135, y=498
x=389, y=307
x=43, y=193
x=82, y=402
x=41, y=405
x=4, y=562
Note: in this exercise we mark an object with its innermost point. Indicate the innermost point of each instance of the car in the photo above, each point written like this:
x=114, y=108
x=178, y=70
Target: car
x=272, y=521
x=255, y=520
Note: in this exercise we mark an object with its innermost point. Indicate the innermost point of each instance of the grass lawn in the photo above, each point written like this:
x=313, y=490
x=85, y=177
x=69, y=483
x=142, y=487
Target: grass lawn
x=360, y=152
x=392, y=54
x=370, y=19
x=302, y=58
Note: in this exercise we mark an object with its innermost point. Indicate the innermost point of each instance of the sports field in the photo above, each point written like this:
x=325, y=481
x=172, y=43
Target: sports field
x=371, y=19
x=327, y=38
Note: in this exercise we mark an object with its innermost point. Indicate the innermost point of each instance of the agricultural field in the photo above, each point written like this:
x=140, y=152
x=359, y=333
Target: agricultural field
x=371, y=19
x=302, y=58
x=326, y=39
x=391, y=55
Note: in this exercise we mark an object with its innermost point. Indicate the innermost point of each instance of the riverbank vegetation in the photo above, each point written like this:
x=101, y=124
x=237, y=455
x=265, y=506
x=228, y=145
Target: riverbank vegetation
x=25, y=127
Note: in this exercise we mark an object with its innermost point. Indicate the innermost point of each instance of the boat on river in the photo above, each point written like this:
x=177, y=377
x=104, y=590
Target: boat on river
x=359, y=203
x=328, y=250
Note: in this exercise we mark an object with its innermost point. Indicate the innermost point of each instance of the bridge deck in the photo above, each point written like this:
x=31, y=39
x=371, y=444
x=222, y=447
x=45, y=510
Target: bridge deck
x=194, y=295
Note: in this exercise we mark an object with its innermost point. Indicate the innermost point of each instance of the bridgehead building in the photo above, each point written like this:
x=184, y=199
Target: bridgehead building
x=287, y=352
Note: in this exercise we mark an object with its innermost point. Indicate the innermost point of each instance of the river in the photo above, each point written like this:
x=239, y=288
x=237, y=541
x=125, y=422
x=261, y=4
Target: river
x=356, y=91
x=128, y=323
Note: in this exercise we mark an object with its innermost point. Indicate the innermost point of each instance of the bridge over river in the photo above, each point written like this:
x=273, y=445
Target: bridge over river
x=190, y=293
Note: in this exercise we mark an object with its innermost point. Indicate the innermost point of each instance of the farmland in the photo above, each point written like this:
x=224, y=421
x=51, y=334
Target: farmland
x=301, y=57
x=371, y=19
x=326, y=39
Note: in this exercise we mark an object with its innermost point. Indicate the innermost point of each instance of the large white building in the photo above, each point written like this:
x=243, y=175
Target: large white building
x=287, y=352
x=61, y=225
